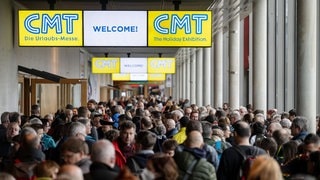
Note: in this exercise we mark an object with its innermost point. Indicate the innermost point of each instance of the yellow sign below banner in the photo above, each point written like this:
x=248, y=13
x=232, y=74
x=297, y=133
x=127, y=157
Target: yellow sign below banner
x=156, y=77
x=180, y=28
x=120, y=77
x=50, y=28
x=162, y=65
x=105, y=65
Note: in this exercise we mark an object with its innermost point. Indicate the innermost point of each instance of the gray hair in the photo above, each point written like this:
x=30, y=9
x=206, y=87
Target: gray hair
x=76, y=128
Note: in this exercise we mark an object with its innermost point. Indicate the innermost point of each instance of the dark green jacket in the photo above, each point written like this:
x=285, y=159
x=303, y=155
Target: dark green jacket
x=201, y=171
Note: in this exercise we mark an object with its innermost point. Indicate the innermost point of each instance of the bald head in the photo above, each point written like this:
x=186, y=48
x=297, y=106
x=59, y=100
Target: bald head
x=194, y=140
x=171, y=124
x=70, y=171
x=104, y=152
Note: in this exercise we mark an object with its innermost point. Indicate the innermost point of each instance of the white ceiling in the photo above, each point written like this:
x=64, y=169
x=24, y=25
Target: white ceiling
x=122, y=5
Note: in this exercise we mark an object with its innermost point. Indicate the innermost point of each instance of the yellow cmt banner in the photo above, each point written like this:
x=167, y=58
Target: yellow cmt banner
x=180, y=28
x=161, y=65
x=105, y=65
x=50, y=28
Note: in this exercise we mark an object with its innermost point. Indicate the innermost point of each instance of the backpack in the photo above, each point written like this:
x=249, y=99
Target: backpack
x=246, y=162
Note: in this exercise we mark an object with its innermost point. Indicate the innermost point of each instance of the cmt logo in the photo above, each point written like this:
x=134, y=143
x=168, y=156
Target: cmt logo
x=54, y=22
x=180, y=23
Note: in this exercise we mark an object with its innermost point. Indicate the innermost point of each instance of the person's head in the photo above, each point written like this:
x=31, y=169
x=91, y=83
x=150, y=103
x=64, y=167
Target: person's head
x=269, y=145
x=273, y=127
x=83, y=112
x=311, y=143
x=73, y=150
x=194, y=115
x=49, y=117
x=169, y=146
x=265, y=167
x=281, y=136
x=91, y=105
x=13, y=130
x=292, y=114
x=15, y=117
x=170, y=124
x=194, y=139
x=242, y=132
x=70, y=172
x=69, y=114
x=112, y=134
x=46, y=169
x=176, y=115
x=39, y=129
x=207, y=130
x=127, y=132
x=103, y=151
x=146, y=123
x=87, y=123
x=145, y=140
x=290, y=150
x=298, y=125
x=77, y=129
x=5, y=119
x=193, y=125
x=187, y=111
x=234, y=117
x=35, y=110
x=163, y=167
x=46, y=125
x=184, y=121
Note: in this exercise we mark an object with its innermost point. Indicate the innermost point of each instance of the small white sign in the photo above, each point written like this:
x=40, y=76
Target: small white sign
x=115, y=28
x=133, y=65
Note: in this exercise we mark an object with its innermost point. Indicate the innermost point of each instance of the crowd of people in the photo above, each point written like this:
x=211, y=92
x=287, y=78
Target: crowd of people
x=162, y=139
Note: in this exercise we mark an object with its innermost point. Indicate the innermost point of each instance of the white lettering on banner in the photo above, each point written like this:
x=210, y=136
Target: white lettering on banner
x=115, y=28
x=161, y=64
x=101, y=63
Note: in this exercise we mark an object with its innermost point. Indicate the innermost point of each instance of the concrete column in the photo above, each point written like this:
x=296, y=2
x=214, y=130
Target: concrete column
x=307, y=60
x=188, y=74
x=218, y=66
x=199, y=76
x=234, y=61
x=207, y=76
x=177, y=78
x=184, y=67
x=259, y=63
x=8, y=64
x=193, y=76
x=218, y=58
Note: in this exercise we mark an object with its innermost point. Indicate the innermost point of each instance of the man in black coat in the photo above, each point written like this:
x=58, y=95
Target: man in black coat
x=103, y=159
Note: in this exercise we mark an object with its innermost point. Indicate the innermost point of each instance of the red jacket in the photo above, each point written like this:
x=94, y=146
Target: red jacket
x=120, y=158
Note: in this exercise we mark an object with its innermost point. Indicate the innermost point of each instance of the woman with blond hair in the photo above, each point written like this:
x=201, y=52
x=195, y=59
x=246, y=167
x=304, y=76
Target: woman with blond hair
x=264, y=167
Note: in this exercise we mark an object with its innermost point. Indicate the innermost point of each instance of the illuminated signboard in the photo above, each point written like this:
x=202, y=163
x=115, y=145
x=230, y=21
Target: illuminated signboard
x=133, y=65
x=120, y=77
x=115, y=28
x=180, y=28
x=50, y=28
x=161, y=65
x=138, y=77
x=105, y=65
x=156, y=77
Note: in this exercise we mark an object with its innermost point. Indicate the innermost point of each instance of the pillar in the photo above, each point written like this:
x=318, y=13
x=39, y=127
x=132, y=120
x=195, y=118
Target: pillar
x=259, y=64
x=193, y=76
x=207, y=76
x=8, y=64
x=199, y=76
x=307, y=61
x=234, y=60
